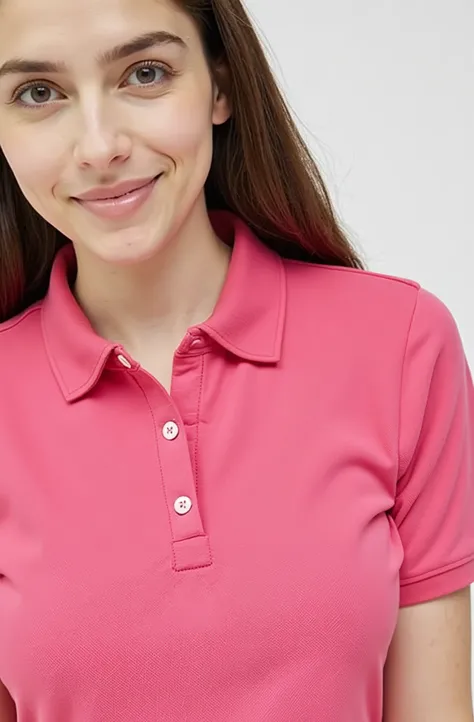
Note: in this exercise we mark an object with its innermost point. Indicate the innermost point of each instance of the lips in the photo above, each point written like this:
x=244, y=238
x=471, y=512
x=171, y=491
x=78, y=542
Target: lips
x=118, y=203
x=105, y=193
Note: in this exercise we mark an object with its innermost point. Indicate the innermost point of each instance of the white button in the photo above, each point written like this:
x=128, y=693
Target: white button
x=124, y=361
x=196, y=342
x=182, y=505
x=170, y=430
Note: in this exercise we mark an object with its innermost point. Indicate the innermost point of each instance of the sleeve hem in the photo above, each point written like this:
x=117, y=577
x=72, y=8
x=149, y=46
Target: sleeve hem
x=439, y=584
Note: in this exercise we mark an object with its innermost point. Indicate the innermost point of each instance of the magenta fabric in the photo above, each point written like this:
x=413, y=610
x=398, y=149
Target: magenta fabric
x=236, y=551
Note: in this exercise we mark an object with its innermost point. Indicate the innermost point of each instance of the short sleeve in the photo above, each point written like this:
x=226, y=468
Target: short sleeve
x=434, y=504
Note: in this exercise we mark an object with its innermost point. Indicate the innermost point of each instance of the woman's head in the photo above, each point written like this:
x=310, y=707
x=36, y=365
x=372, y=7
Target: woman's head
x=136, y=90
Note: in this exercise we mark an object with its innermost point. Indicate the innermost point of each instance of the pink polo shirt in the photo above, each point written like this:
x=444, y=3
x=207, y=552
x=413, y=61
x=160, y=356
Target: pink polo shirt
x=236, y=551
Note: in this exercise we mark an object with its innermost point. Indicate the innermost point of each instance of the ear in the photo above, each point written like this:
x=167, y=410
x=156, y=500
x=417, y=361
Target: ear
x=221, y=109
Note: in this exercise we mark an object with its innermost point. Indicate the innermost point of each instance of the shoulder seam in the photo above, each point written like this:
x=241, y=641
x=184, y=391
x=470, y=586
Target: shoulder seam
x=357, y=271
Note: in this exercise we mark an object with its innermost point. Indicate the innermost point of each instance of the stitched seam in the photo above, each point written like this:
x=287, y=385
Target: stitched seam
x=199, y=566
x=52, y=361
x=201, y=352
x=212, y=332
x=198, y=417
x=437, y=572
x=357, y=271
x=159, y=462
x=195, y=463
x=282, y=301
x=88, y=380
x=57, y=370
x=402, y=376
x=189, y=568
x=96, y=366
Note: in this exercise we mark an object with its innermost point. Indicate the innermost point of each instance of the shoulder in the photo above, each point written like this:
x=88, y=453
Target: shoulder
x=375, y=308
x=367, y=284
x=362, y=289
x=22, y=354
x=21, y=323
x=20, y=335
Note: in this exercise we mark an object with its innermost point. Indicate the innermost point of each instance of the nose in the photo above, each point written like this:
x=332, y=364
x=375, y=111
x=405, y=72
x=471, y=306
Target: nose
x=101, y=144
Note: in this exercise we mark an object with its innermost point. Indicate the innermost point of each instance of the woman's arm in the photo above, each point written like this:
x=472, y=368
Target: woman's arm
x=7, y=708
x=428, y=670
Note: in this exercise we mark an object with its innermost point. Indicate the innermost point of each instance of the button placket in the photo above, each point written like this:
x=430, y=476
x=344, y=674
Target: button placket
x=189, y=543
x=183, y=504
x=191, y=548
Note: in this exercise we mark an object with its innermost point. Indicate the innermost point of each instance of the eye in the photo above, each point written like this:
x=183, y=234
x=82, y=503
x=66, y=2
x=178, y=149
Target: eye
x=148, y=73
x=36, y=95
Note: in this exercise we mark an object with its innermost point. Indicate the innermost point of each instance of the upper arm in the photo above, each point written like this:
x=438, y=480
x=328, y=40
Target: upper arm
x=428, y=669
x=434, y=504
x=427, y=672
x=7, y=707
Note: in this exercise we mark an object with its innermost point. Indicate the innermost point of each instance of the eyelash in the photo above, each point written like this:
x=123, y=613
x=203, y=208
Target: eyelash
x=167, y=73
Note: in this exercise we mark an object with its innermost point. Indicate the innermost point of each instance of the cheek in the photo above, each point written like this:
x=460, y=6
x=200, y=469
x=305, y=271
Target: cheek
x=182, y=129
x=33, y=161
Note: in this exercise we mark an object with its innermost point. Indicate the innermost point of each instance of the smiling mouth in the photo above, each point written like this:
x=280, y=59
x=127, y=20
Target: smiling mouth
x=131, y=191
x=116, y=194
x=119, y=206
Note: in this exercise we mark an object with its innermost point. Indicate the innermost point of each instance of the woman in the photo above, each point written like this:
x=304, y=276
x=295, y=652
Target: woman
x=236, y=468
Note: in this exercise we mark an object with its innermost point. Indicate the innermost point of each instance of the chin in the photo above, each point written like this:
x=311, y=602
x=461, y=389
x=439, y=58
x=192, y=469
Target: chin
x=123, y=248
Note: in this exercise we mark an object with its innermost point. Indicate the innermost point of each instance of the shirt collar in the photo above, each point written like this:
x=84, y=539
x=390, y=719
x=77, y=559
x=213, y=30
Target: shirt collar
x=248, y=319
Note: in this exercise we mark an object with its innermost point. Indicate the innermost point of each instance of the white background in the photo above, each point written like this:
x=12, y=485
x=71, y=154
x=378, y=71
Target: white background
x=384, y=92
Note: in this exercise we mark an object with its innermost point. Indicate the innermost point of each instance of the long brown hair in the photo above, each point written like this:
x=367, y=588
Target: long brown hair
x=262, y=170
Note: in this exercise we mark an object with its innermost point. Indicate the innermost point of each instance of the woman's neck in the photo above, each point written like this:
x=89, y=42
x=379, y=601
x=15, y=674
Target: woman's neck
x=139, y=305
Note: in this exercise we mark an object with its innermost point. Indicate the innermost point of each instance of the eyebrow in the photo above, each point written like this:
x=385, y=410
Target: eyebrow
x=119, y=52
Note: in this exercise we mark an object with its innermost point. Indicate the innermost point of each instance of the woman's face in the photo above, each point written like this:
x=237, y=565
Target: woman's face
x=95, y=94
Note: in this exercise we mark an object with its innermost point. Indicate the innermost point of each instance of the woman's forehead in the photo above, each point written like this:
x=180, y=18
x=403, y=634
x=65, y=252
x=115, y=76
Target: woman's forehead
x=45, y=26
